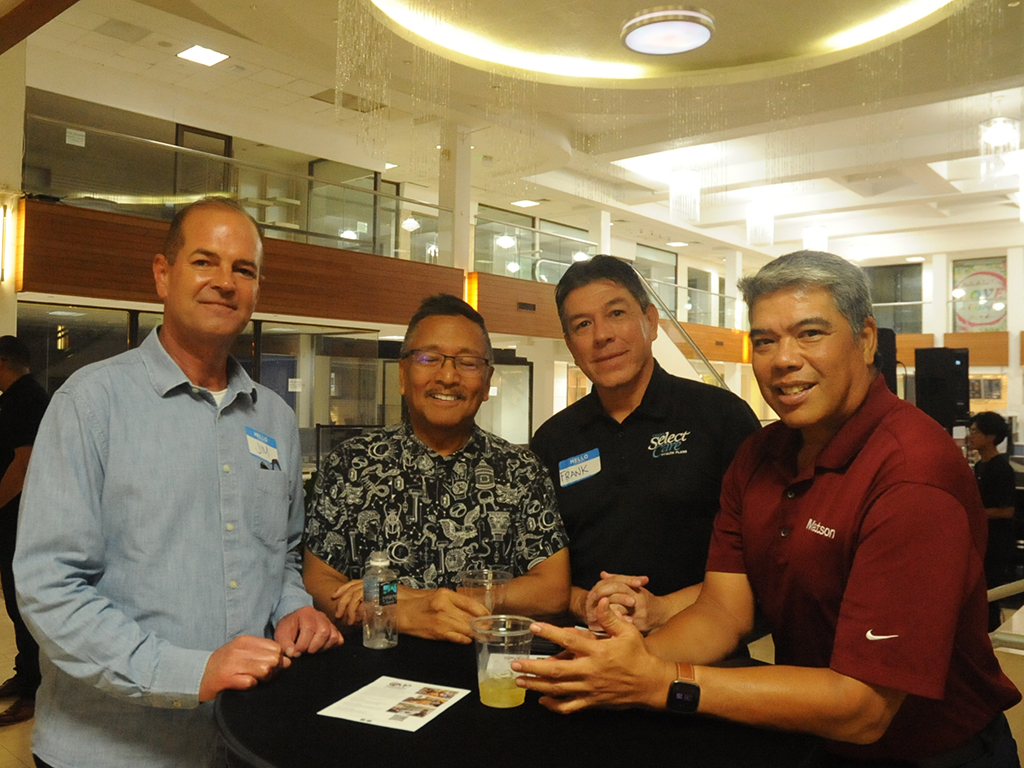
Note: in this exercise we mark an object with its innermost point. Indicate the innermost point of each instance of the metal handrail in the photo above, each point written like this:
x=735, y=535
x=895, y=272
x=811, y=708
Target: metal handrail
x=669, y=316
x=535, y=230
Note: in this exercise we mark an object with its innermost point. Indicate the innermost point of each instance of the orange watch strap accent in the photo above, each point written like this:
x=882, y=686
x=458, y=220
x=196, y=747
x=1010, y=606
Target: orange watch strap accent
x=687, y=668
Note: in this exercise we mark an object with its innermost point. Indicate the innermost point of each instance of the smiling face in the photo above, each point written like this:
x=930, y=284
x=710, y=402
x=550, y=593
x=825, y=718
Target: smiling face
x=442, y=402
x=210, y=289
x=811, y=368
x=609, y=335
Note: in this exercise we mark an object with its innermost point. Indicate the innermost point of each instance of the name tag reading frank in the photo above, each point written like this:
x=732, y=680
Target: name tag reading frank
x=263, y=447
x=578, y=468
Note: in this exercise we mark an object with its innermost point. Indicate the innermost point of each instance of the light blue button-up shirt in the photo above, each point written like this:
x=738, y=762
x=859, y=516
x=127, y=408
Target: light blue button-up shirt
x=150, y=535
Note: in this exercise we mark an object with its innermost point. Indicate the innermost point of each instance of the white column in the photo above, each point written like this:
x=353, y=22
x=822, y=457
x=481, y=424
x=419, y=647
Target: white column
x=544, y=354
x=12, y=139
x=601, y=230
x=733, y=273
x=454, y=188
x=935, y=288
x=1015, y=324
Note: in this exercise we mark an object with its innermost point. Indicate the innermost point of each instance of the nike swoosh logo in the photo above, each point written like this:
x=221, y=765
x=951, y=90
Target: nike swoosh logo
x=872, y=636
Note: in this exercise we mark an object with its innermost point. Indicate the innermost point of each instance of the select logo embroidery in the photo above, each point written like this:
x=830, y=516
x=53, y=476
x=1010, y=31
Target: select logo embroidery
x=815, y=527
x=667, y=444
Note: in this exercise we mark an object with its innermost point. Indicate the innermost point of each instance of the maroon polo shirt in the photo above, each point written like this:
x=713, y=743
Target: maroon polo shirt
x=871, y=564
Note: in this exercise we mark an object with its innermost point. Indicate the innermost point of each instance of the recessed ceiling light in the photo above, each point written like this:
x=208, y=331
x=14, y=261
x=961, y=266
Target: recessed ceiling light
x=389, y=166
x=662, y=31
x=677, y=244
x=525, y=203
x=505, y=241
x=201, y=55
x=410, y=224
x=915, y=259
x=65, y=313
x=348, y=234
x=512, y=267
x=580, y=256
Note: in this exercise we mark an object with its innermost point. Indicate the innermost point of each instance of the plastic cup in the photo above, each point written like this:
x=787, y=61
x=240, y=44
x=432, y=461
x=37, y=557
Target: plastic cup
x=486, y=586
x=499, y=641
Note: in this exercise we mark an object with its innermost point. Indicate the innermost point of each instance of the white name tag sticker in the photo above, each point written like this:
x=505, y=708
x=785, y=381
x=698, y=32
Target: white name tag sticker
x=263, y=447
x=579, y=467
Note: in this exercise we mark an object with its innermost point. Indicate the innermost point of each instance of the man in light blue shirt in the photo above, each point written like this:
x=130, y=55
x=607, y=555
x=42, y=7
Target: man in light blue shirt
x=156, y=561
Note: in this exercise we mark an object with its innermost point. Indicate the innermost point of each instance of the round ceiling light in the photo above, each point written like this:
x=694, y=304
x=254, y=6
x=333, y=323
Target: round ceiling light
x=662, y=31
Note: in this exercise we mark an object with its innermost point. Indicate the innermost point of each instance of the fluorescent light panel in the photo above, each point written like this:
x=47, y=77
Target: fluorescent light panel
x=203, y=56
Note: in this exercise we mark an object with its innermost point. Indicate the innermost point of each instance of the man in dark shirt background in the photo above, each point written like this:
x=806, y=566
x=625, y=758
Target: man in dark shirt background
x=998, y=488
x=21, y=409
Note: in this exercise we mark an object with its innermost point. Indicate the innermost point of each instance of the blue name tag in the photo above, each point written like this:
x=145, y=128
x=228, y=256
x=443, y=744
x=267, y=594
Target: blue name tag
x=263, y=447
x=579, y=467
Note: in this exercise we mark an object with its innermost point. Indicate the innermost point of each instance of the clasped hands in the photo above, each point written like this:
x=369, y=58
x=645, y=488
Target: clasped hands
x=627, y=597
x=247, y=660
x=434, y=614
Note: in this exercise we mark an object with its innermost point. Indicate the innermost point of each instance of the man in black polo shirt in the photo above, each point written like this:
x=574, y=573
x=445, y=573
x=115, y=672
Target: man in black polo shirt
x=21, y=409
x=638, y=463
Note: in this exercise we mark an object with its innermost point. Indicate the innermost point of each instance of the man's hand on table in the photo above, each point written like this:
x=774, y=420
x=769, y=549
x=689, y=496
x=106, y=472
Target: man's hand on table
x=306, y=630
x=241, y=664
x=348, y=603
x=616, y=671
x=437, y=614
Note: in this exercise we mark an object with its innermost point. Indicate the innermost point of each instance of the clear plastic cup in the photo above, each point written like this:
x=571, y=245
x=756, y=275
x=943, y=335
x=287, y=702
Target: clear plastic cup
x=486, y=586
x=499, y=641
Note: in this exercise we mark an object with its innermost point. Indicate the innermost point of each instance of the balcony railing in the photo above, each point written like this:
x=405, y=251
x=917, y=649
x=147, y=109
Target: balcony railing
x=97, y=168
x=692, y=305
x=524, y=252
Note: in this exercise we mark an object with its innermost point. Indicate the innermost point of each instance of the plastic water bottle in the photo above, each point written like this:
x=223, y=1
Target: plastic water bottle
x=380, y=596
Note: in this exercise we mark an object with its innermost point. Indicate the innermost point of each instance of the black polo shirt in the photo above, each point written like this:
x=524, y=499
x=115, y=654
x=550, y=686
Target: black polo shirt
x=21, y=409
x=640, y=497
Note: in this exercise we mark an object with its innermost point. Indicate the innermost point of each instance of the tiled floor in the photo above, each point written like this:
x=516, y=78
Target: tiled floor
x=15, y=740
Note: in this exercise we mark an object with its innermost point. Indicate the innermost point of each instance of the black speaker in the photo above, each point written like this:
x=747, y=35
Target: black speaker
x=885, y=357
x=941, y=385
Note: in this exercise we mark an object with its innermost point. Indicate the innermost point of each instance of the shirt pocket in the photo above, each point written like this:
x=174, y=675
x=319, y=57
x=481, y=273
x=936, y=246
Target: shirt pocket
x=271, y=507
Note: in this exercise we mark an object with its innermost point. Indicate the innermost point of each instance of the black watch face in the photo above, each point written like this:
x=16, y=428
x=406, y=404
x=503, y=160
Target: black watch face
x=683, y=697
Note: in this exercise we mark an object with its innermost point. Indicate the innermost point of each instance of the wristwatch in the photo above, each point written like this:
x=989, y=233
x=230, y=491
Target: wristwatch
x=683, y=693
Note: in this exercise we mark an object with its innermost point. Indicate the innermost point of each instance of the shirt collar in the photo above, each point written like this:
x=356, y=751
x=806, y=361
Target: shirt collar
x=852, y=435
x=654, y=405
x=417, y=447
x=166, y=376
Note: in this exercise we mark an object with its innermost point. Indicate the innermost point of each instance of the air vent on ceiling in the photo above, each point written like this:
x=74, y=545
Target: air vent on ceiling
x=122, y=30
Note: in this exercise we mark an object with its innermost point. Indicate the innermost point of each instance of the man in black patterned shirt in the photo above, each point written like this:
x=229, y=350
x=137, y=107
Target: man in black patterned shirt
x=438, y=494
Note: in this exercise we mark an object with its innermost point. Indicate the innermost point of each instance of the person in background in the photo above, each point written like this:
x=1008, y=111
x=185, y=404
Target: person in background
x=637, y=463
x=22, y=406
x=857, y=527
x=998, y=485
x=438, y=494
x=157, y=560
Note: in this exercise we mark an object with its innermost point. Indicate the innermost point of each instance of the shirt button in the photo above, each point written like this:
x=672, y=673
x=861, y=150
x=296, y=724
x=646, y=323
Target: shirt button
x=234, y=584
x=790, y=494
x=231, y=526
x=227, y=467
x=195, y=391
x=784, y=531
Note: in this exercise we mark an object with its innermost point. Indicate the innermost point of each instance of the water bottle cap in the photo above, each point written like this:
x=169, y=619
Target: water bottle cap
x=378, y=558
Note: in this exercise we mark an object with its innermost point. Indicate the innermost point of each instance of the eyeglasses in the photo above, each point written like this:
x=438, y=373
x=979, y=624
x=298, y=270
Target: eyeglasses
x=467, y=365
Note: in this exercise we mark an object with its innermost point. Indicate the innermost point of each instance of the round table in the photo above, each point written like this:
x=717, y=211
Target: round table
x=276, y=723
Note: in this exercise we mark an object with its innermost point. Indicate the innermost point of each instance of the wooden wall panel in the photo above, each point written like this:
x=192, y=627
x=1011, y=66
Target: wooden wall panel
x=79, y=252
x=719, y=345
x=906, y=343
x=499, y=300
x=985, y=348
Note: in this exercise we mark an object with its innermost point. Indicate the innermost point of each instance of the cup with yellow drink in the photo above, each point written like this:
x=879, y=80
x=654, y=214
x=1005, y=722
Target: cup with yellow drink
x=499, y=641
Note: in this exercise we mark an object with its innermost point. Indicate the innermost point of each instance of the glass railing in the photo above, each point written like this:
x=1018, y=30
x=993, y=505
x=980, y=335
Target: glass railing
x=526, y=253
x=678, y=335
x=96, y=168
x=692, y=305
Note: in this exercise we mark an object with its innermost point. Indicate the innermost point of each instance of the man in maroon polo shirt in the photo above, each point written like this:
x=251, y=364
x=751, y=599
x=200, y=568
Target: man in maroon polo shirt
x=857, y=527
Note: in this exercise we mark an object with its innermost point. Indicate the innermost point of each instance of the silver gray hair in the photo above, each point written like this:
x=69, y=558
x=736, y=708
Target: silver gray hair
x=847, y=283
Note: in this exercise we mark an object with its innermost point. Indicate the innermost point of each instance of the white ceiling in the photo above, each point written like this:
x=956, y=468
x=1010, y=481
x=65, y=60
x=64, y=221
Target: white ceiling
x=879, y=144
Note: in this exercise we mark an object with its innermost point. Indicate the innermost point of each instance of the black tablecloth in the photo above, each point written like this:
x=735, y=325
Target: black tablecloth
x=275, y=724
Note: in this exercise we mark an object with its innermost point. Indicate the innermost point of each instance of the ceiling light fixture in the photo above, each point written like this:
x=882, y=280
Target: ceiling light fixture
x=512, y=267
x=410, y=224
x=504, y=241
x=203, y=56
x=915, y=259
x=389, y=166
x=677, y=244
x=959, y=293
x=816, y=238
x=1000, y=134
x=684, y=196
x=664, y=31
x=580, y=256
x=348, y=234
x=760, y=223
x=525, y=203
